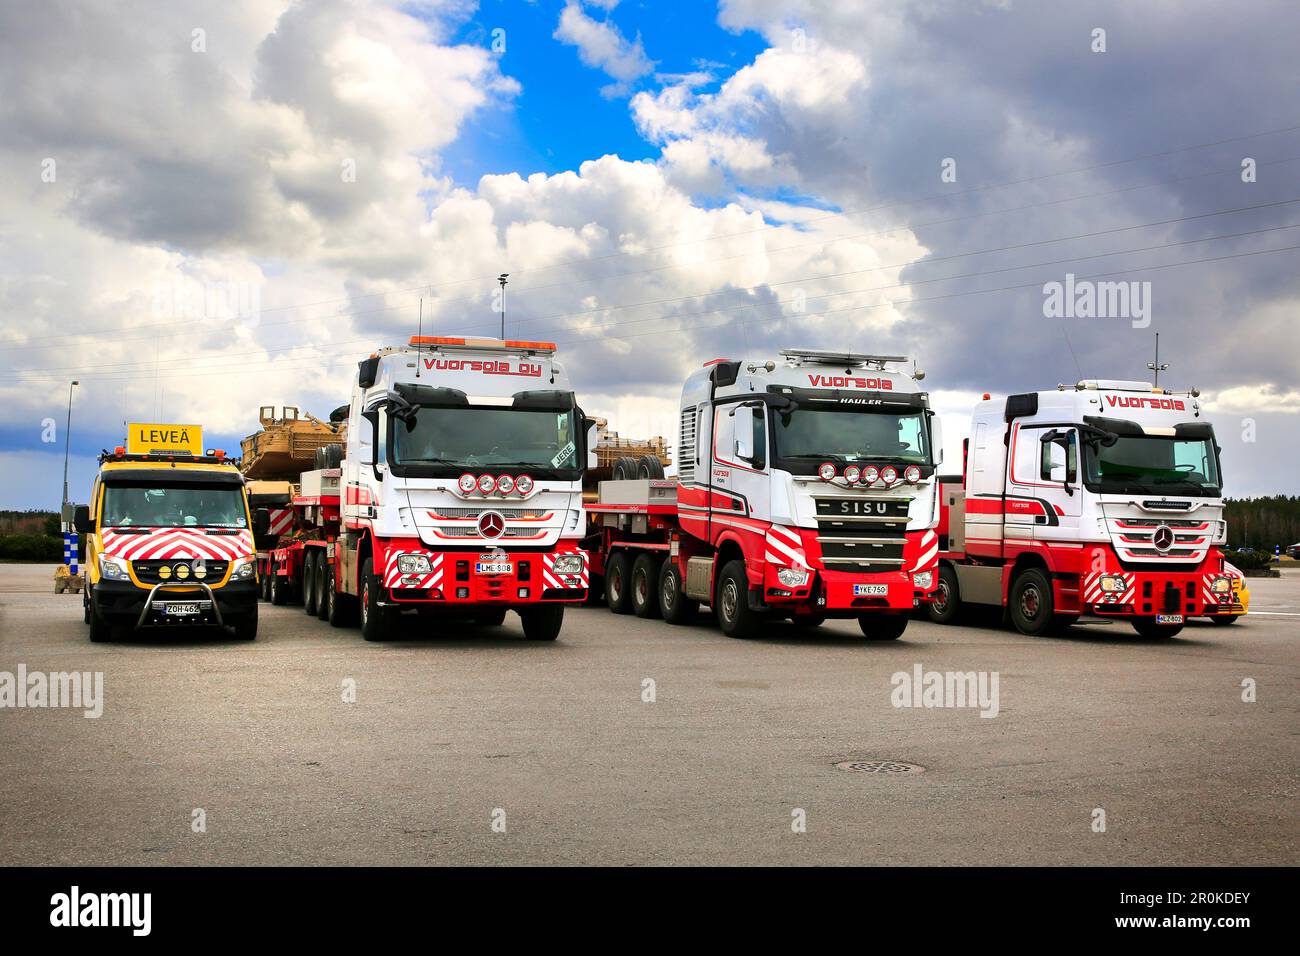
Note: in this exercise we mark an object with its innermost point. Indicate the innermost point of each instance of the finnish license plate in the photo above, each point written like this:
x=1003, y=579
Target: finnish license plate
x=1169, y=619
x=494, y=567
x=870, y=590
x=182, y=610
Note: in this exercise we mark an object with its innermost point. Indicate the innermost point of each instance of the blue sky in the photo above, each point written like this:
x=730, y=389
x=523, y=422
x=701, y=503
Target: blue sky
x=561, y=119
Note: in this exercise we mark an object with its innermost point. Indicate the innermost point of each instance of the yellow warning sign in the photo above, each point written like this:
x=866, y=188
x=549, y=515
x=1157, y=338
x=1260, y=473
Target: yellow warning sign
x=144, y=438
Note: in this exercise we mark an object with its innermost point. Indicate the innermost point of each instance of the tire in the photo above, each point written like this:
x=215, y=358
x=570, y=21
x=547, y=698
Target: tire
x=265, y=583
x=946, y=606
x=376, y=621
x=625, y=468
x=649, y=466
x=1225, y=619
x=279, y=586
x=618, y=595
x=731, y=602
x=883, y=627
x=674, y=606
x=246, y=625
x=1147, y=627
x=645, y=586
x=100, y=629
x=324, y=575
x=491, y=618
x=309, y=572
x=338, y=606
x=85, y=604
x=1032, y=610
x=542, y=622
x=809, y=623
x=328, y=456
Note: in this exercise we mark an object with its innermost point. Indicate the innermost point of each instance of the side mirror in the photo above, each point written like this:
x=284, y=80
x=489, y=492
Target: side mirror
x=590, y=427
x=81, y=520
x=936, y=440
x=261, y=521
x=743, y=441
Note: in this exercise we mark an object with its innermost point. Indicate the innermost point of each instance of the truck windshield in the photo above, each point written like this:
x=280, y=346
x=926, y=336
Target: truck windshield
x=174, y=506
x=838, y=434
x=1153, y=464
x=472, y=437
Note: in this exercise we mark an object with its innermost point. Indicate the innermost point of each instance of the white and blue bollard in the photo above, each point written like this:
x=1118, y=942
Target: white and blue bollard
x=70, y=551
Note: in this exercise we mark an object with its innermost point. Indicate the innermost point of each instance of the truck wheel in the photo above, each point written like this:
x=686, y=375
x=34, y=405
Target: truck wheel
x=625, y=468
x=309, y=583
x=1031, y=603
x=1147, y=627
x=946, y=606
x=265, y=583
x=645, y=586
x=279, y=586
x=618, y=596
x=376, y=622
x=542, y=622
x=85, y=605
x=883, y=627
x=674, y=605
x=246, y=625
x=338, y=606
x=491, y=618
x=1222, y=619
x=808, y=622
x=649, y=466
x=100, y=630
x=731, y=603
x=324, y=575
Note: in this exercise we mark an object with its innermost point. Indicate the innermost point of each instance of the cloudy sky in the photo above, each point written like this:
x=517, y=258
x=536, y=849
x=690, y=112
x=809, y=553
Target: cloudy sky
x=207, y=207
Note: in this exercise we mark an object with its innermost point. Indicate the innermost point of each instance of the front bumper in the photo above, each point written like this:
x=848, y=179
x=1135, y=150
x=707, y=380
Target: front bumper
x=121, y=603
x=456, y=578
x=1148, y=593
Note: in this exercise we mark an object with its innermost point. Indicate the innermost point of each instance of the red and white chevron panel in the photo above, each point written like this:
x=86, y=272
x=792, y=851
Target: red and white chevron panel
x=928, y=552
x=281, y=521
x=1093, y=594
x=1207, y=593
x=553, y=580
x=784, y=547
x=164, y=544
x=394, y=579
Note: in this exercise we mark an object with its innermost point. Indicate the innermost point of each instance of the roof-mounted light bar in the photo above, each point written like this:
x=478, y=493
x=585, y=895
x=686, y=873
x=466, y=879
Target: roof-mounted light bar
x=830, y=357
x=448, y=342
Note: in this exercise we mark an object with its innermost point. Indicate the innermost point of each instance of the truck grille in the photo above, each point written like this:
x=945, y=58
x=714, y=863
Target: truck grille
x=512, y=514
x=863, y=533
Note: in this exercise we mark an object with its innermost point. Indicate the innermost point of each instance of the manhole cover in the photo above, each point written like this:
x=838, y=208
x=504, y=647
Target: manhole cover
x=879, y=766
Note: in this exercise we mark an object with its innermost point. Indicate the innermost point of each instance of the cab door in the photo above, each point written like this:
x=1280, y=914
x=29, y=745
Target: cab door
x=740, y=461
x=1043, y=484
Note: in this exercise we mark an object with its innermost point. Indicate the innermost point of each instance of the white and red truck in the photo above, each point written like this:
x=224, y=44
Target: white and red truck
x=1100, y=498
x=458, y=491
x=805, y=489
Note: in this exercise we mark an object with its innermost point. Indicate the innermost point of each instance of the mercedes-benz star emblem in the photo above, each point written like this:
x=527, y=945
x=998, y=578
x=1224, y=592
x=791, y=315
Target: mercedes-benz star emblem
x=491, y=524
x=1163, y=539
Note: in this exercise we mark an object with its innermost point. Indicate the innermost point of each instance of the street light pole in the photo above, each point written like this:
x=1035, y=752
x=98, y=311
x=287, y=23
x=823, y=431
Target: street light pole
x=502, y=279
x=67, y=441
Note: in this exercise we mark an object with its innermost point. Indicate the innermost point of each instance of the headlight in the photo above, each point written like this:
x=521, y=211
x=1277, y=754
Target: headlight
x=889, y=474
x=568, y=564
x=792, y=577
x=923, y=580
x=871, y=474
x=243, y=569
x=1222, y=584
x=1112, y=583
x=113, y=569
x=852, y=474
x=826, y=471
x=413, y=564
x=524, y=484
x=912, y=474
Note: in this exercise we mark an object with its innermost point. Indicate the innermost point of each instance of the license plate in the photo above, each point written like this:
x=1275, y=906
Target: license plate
x=182, y=610
x=1169, y=619
x=870, y=590
x=493, y=567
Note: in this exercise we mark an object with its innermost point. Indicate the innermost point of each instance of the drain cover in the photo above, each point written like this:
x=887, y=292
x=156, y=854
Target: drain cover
x=879, y=766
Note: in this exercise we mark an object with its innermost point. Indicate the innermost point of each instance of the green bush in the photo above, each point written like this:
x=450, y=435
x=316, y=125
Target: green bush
x=1250, y=560
x=31, y=547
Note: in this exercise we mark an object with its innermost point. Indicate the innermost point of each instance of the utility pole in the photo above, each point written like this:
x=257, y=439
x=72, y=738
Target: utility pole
x=502, y=279
x=67, y=441
x=1156, y=366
